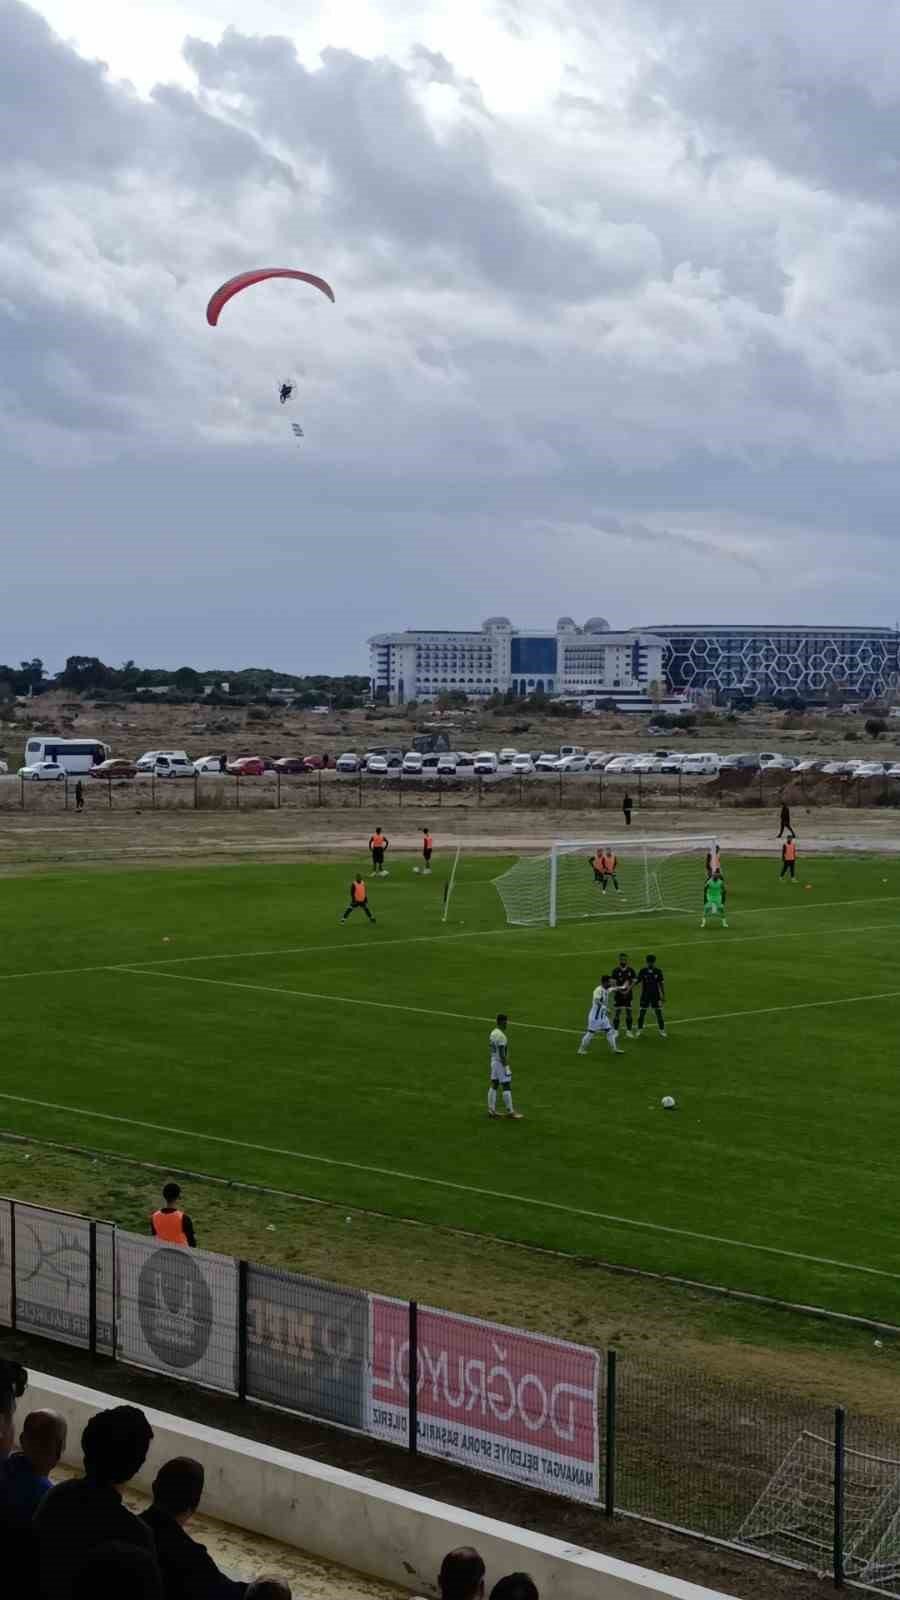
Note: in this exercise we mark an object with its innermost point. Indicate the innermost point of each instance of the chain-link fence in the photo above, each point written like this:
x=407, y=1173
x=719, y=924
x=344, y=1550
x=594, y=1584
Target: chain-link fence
x=649, y=1438
x=214, y=792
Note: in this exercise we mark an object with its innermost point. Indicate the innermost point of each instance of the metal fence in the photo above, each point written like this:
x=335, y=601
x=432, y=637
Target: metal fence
x=335, y=791
x=797, y=1483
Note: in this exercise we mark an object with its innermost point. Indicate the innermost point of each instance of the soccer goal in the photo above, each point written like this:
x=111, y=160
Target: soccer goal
x=651, y=875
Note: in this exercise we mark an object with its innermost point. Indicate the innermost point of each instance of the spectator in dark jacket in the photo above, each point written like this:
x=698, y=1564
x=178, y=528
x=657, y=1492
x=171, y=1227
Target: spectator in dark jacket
x=462, y=1575
x=117, y=1572
x=269, y=1589
x=77, y=1518
x=25, y=1475
x=515, y=1586
x=13, y=1382
x=188, y=1570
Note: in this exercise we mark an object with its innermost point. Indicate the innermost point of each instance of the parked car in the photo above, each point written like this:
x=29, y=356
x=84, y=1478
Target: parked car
x=208, y=764
x=621, y=763
x=507, y=756
x=644, y=764
x=349, y=762
x=808, y=764
x=546, y=762
x=115, y=767
x=377, y=765
x=173, y=767
x=247, y=767
x=290, y=766
x=522, y=766
x=430, y=763
x=572, y=763
x=412, y=764
x=148, y=760
x=835, y=769
x=465, y=762
x=893, y=770
x=571, y=750
x=313, y=763
x=704, y=764
x=486, y=763
x=777, y=764
x=447, y=764
x=43, y=772
x=394, y=760
x=597, y=759
x=750, y=762
x=870, y=769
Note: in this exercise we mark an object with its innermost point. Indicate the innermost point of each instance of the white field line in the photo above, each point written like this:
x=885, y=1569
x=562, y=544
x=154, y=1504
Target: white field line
x=447, y=1183
x=441, y=938
x=457, y=1016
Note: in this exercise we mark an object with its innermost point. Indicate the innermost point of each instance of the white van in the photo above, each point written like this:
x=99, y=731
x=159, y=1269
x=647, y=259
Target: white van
x=702, y=763
x=486, y=763
x=148, y=760
x=73, y=755
x=174, y=766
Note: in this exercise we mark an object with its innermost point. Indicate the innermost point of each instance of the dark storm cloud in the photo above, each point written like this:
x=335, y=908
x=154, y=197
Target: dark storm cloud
x=393, y=182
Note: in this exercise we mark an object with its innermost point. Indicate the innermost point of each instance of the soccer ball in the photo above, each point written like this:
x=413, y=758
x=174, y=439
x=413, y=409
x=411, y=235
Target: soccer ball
x=415, y=869
x=668, y=1102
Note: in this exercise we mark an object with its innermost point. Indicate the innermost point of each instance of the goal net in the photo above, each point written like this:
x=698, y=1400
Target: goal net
x=649, y=875
x=794, y=1516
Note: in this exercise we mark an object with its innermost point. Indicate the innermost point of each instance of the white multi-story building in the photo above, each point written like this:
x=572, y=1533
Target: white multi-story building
x=571, y=661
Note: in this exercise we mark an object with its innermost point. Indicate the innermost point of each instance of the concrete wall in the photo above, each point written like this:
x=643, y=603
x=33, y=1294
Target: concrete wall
x=398, y=1537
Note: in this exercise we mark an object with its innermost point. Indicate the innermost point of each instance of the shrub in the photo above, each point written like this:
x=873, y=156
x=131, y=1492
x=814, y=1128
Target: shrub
x=875, y=727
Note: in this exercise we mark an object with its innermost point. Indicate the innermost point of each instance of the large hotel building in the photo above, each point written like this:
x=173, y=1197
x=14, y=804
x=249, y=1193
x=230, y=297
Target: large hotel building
x=579, y=662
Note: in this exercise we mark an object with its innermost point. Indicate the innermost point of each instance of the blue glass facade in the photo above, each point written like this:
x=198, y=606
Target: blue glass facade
x=809, y=662
x=533, y=656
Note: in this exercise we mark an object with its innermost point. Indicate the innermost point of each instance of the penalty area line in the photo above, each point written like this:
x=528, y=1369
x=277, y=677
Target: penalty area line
x=459, y=1188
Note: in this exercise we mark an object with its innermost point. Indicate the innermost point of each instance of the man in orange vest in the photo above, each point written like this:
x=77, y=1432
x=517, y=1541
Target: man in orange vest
x=378, y=844
x=170, y=1225
x=789, y=859
x=427, y=847
x=359, y=899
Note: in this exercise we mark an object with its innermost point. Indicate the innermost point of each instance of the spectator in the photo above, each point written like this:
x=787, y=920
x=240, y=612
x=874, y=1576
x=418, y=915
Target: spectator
x=462, y=1575
x=13, y=1383
x=79, y=796
x=25, y=1475
x=188, y=1570
x=171, y=1225
x=76, y=1519
x=515, y=1586
x=117, y=1571
x=627, y=808
x=269, y=1589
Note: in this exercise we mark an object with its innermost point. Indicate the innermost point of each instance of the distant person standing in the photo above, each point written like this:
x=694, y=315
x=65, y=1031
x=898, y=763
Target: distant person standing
x=223, y=762
x=79, y=796
x=653, y=994
x=627, y=808
x=427, y=847
x=171, y=1225
x=789, y=858
x=785, y=820
x=378, y=843
x=359, y=899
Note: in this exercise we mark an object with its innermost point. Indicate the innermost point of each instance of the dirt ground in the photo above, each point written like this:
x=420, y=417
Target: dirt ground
x=99, y=837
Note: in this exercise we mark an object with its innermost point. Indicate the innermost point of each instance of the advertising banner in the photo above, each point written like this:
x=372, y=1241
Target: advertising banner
x=515, y=1404
x=5, y=1264
x=53, y=1276
x=307, y=1345
x=178, y=1311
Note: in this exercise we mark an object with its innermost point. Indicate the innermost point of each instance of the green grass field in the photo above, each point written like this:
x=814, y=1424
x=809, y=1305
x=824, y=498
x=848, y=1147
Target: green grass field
x=265, y=1042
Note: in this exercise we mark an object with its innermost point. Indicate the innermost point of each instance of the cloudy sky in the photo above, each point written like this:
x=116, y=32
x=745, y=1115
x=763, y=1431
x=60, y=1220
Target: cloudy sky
x=617, y=320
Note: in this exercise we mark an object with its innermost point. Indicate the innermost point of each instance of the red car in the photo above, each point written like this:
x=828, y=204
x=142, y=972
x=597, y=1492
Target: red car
x=247, y=767
x=314, y=763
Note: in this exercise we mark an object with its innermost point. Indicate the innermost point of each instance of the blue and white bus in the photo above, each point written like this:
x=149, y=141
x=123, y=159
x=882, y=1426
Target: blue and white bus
x=73, y=755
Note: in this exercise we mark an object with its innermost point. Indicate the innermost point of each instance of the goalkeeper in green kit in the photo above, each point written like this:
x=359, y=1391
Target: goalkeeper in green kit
x=714, y=898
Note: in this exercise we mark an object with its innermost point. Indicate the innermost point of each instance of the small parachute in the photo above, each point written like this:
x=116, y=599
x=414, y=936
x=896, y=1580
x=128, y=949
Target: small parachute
x=246, y=280
x=296, y=430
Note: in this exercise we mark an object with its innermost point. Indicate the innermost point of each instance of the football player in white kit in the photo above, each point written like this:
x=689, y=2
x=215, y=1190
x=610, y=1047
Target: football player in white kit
x=598, y=1018
x=501, y=1076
